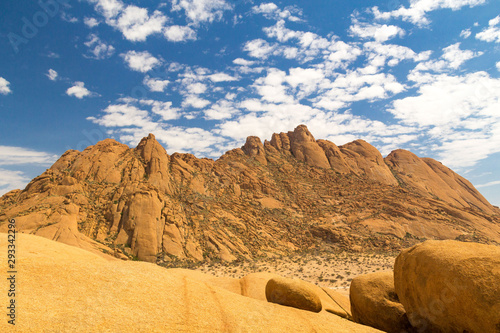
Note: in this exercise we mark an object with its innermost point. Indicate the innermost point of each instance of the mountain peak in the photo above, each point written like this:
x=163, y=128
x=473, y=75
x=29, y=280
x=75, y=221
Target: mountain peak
x=156, y=162
x=301, y=134
x=302, y=192
x=254, y=147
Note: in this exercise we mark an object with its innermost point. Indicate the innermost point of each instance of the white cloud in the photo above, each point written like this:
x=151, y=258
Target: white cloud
x=492, y=183
x=452, y=58
x=265, y=8
x=10, y=155
x=243, y=62
x=163, y=109
x=52, y=55
x=194, y=101
x=304, y=76
x=98, y=49
x=131, y=123
x=175, y=67
x=465, y=33
x=202, y=11
x=68, y=18
x=4, y=86
x=498, y=66
x=268, y=118
x=416, y=13
x=271, y=11
x=155, y=85
x=356, y=86
x=109, y=8
x=379, y=32
x=272, y=87
x=444, y=100
x=306, y=81
x=492, y=33
x=91, y=22
x=221, y=110
x=222, y=77
x=52, y=75
x=78, y=90
x=494, y=21
x=259, y=48
x=12, y=180
x=391, y=53
x=322, y=77
x=140, y=61
x=196, y=88
x=190, y=139
x=177, y=33
x=309, y=47
x=281, y=33
x=457, y=113
x=123, y=115
x=135, y=23
x=457, y=57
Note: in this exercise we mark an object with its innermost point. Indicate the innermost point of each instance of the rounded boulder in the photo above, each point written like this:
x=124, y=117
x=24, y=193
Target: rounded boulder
x=375, y=303
x=294, y=293
x=450, y=286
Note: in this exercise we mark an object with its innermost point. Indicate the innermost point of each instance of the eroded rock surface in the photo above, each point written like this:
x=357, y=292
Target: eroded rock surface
x=374, y=302
x=450, y=286
x=290, y=193
x=88, y=293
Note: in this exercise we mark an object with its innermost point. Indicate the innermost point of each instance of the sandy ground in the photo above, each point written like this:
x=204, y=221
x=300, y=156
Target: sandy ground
x=331, y=271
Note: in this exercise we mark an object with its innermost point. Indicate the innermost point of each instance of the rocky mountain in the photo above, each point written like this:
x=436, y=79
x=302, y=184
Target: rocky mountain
x=292, y=193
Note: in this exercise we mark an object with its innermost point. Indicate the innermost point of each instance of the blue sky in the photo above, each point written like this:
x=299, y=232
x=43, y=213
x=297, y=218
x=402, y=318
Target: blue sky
x=202, y=75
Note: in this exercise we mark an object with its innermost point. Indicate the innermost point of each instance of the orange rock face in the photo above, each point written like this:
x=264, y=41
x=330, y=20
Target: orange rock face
x=375, y=303
x=428, y=177
x=90, y=294
x=450, y=286
x=290, y=193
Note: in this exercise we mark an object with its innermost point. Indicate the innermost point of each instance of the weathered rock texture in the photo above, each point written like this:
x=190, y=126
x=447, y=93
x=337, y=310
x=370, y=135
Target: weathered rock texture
x=66, y=289
x=374, y=302
x=450, y=286
x=290, y=193
x=254, y=286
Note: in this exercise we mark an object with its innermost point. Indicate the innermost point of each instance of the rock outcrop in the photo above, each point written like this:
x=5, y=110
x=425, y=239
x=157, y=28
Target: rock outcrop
x=88, y=293
x=290, y=193
x=305, y=148
x=295, y=293
x=366, y=160
x=375, y=303
x=450, y=286
x=429, y=177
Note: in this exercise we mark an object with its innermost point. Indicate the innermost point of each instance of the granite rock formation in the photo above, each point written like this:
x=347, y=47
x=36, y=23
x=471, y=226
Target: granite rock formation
x=288, y=194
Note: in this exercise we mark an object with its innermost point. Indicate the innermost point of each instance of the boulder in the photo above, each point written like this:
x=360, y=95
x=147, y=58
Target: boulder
x=374, y=303
x=450, y=286
x=294, y=293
